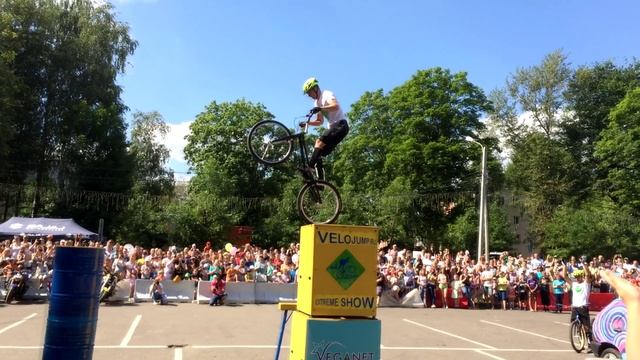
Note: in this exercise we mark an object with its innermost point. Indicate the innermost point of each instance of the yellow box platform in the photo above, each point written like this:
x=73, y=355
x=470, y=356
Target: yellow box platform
x=337, y=274
x=326, y=338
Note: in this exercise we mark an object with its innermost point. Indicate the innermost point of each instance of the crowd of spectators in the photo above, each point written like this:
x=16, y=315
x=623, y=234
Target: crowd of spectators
x=503, y=281
x=246, y=263
x=514, y=280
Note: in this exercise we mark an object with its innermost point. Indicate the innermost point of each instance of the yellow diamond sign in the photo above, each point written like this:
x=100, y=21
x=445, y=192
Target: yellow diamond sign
x=345, y=269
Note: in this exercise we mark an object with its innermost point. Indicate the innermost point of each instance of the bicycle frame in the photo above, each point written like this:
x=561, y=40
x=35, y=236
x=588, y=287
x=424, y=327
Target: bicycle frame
x=299, y=137
x=302, y=146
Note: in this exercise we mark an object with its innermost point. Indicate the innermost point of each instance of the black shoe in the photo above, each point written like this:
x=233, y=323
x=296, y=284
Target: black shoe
x=309, y=173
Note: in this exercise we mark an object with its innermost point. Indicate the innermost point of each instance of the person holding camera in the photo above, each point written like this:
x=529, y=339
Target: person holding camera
x=218, y=286
x=156, y=290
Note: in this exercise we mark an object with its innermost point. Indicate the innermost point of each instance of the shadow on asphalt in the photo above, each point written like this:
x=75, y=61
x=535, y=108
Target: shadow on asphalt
x=119, y=304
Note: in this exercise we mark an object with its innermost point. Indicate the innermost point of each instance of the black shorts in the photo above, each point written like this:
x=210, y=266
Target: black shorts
x=583, y=313
x=333, y=136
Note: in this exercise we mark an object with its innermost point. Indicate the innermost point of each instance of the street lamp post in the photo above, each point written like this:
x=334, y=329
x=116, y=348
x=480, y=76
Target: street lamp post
x=483, y=229
x=485, y=213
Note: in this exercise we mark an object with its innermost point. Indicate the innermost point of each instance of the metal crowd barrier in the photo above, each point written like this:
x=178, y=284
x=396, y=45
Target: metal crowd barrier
x=249, y=293
x=237, y=292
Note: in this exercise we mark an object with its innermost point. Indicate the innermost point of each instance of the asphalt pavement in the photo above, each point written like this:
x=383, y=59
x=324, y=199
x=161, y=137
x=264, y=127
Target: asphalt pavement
x=198, y=331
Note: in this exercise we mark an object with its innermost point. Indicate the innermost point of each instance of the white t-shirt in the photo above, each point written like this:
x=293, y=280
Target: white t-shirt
x=15, y=249
x=535, y=263
x=487, y=277
x=580, y=293
x=332, y=116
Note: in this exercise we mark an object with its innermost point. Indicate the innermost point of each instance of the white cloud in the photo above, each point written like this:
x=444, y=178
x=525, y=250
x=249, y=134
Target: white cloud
x=526, y=120
x=175, y=141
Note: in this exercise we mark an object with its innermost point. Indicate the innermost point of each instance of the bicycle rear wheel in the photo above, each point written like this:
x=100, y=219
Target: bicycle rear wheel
x=270, y=142
x=578, y=336
x=319, y=202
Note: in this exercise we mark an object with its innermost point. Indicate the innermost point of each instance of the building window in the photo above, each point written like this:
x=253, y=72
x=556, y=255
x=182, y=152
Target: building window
x=516, y=220
x=518, y=238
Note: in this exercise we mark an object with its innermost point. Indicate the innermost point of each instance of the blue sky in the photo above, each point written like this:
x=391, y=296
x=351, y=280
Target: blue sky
x=192, y=52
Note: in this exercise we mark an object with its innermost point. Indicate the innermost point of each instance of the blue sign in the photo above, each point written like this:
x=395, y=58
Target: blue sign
x=343, y=339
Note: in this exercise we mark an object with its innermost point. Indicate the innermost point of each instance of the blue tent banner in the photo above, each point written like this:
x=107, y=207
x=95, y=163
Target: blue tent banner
x=42, y=226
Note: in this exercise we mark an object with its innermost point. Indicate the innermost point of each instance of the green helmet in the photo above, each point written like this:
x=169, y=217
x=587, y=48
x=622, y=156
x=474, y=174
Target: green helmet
x=309, y=84
x=577, y=273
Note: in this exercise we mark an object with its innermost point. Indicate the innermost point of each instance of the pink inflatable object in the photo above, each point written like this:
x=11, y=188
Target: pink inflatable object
x=610, y=325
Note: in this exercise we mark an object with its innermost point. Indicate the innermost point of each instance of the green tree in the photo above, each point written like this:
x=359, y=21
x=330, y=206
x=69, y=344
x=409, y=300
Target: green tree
x=230, y=187
x=595, y=227
x=540, y=167
x=462, y=233
x=543, y=172
x=405, y=148
x=63, y=59
x=536, y=92
x=144, y=217
x=591, y=94
x=619, y=150
x=501, y=234
x=150, y=157
x=8, y=86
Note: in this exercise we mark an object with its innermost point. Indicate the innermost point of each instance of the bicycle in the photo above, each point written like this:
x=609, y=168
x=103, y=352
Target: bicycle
x=579, y=339
x=271, y=143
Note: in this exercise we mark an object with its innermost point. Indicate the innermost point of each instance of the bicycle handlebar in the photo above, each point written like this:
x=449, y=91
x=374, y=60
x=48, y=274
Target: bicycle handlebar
x=305, y=124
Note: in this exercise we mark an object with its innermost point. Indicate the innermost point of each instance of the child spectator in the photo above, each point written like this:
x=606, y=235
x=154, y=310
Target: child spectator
x=545, y=297
x=456, y=286
x=532, y=287
x=502, y=286
x=156, y=290
x=443, y=285
x=218, y=286
x=422, y=286
x=432, y=279
x=559, y=288
x=522, y=291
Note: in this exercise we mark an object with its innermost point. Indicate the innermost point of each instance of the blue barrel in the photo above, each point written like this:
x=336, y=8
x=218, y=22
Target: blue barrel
x=73, y=303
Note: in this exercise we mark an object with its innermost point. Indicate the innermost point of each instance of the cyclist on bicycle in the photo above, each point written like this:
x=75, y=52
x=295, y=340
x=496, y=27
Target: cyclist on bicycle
x=326, y=106
x=580, y=289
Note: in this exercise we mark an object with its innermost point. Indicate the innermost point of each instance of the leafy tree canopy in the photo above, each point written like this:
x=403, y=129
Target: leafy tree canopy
x=619, y=152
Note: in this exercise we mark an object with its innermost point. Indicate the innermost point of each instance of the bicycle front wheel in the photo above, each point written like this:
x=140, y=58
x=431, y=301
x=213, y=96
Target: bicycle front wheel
x=578, y=336
x=270, y=142
x=319, y=202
